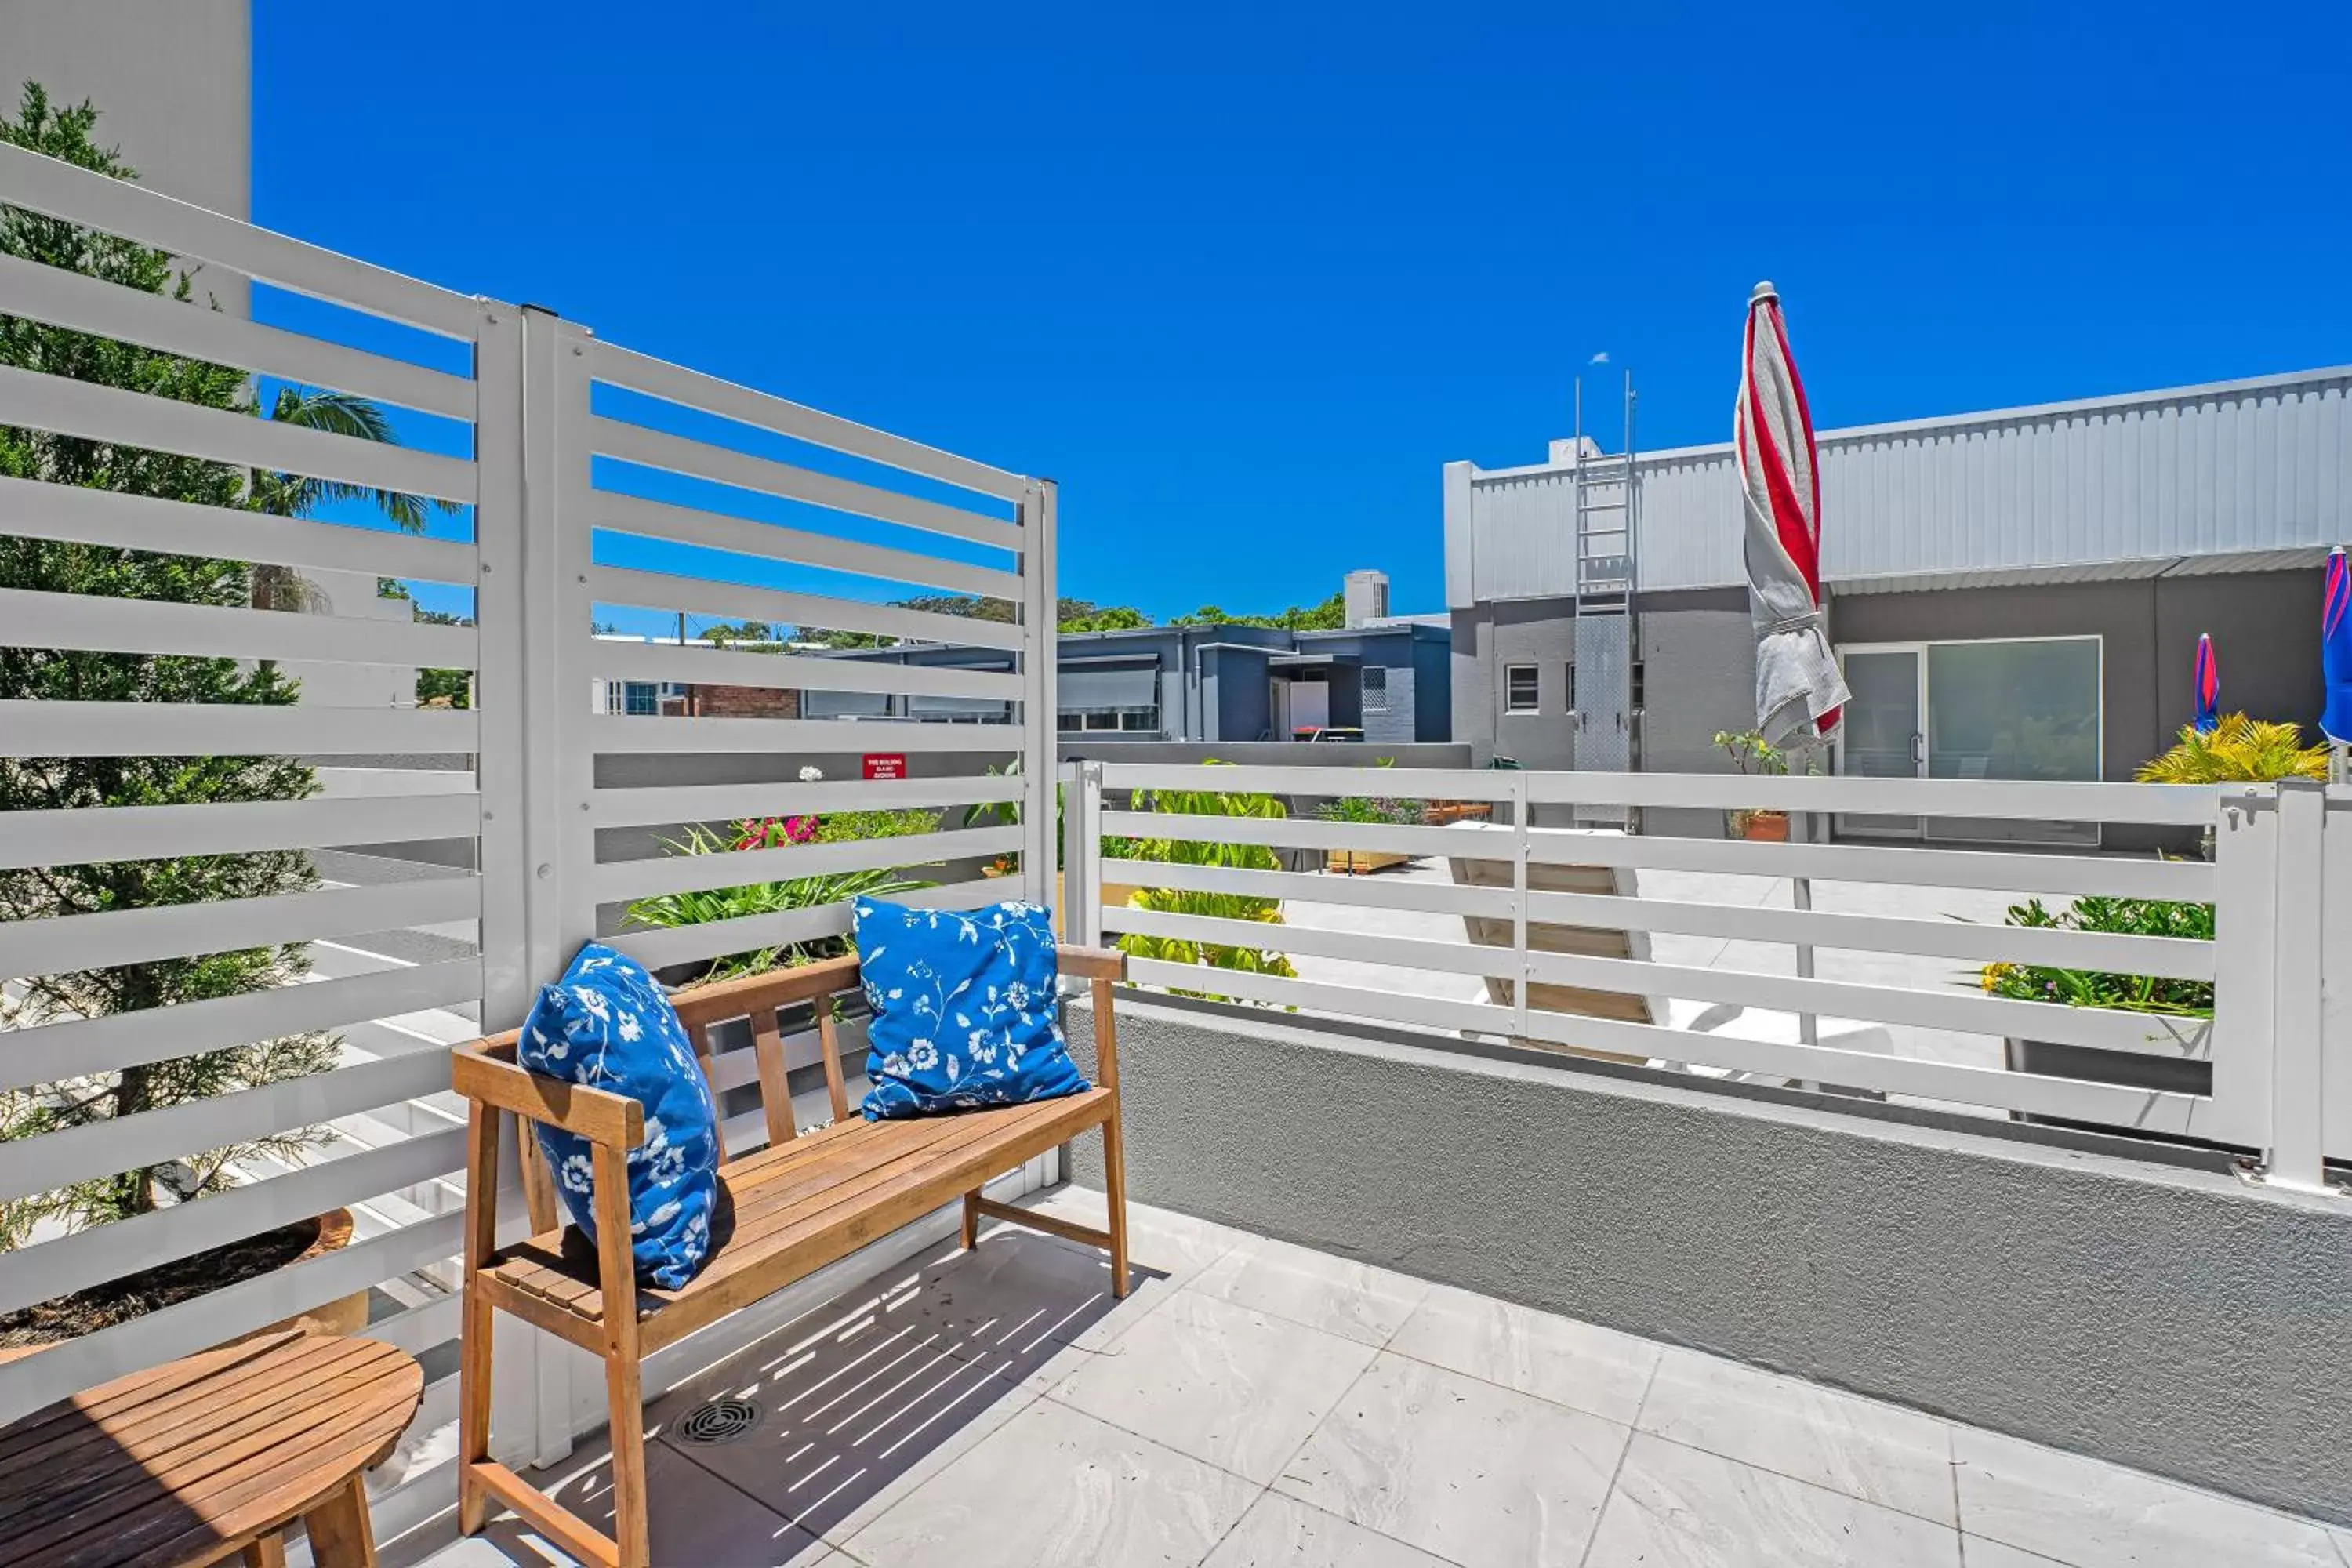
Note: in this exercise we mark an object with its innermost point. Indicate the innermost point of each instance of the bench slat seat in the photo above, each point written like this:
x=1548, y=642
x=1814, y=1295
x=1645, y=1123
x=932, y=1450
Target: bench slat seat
x=786, y=1213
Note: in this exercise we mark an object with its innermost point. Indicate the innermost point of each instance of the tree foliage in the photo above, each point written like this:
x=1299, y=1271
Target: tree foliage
x=1328, y=616
x=90, y=782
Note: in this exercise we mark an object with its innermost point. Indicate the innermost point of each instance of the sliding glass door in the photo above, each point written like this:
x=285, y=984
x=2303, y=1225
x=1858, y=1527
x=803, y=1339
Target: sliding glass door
x=2021, y=708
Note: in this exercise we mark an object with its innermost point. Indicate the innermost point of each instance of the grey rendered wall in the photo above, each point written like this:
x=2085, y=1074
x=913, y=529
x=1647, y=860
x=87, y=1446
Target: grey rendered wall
x=1514, y=631
x=2265, y=630
x=173, y=81
x=2166, y=1318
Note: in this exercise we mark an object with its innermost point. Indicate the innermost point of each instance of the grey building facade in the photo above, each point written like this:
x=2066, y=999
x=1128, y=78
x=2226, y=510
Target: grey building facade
x=2014, y=594
x=1388, y=681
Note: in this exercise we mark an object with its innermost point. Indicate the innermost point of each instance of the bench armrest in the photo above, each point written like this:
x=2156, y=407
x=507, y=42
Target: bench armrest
x=486, y=1072
x=1091, y=962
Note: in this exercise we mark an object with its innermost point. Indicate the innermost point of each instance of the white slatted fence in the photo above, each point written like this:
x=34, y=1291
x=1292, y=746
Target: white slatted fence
x=1912, y=968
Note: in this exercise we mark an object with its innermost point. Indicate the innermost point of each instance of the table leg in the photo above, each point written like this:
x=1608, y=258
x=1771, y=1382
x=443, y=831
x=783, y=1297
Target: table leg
x=269, y=1551
x=341, y=1534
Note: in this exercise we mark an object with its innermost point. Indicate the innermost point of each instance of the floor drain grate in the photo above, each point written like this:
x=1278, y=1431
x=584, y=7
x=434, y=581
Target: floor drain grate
x=722, y=1420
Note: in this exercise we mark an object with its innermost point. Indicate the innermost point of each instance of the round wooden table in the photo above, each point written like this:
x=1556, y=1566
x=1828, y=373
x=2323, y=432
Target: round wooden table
x=201, y=1459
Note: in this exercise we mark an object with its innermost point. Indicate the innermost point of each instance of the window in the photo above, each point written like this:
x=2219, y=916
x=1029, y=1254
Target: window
x=1519, y=689
x=1636, y=695
x=1571, y=687
x=1132, y=720
x=640, y=697
x=1376, y=689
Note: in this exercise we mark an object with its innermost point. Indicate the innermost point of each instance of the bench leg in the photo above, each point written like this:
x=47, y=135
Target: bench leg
x=478, y=1322
x=616, y=1273
x=1115, y=1189
x=1114, y=1145
x=342, y=1535
x=971, y=1220
x=268, y=1551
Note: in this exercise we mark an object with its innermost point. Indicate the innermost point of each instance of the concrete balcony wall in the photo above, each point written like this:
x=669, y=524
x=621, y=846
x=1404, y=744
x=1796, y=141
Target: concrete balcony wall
x=2165, y=1316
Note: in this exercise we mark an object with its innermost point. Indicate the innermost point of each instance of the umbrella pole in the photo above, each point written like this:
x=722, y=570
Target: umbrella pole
x=1800, y=893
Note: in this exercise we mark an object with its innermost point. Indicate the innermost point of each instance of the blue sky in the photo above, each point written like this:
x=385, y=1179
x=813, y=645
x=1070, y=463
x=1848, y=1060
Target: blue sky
x=1243, y=277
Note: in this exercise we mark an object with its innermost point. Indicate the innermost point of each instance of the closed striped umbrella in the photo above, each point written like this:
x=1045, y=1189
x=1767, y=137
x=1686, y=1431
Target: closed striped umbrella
x=2336, y=665
x=2207, y=678
x=1800, y=692
x=2335, y=650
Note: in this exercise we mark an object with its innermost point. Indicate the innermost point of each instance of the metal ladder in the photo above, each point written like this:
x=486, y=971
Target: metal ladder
x=1607, y=511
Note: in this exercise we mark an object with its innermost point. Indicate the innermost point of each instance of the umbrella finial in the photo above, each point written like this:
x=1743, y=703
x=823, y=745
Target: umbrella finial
x=1762, y=291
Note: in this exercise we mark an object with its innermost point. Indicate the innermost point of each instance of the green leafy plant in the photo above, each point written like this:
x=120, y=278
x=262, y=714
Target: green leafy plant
x=2090, y=988
x=1207, y=851
x=2238, y=751
x=56, y=566
x=668, y=911
x=1374, y=807
x=1751, y=754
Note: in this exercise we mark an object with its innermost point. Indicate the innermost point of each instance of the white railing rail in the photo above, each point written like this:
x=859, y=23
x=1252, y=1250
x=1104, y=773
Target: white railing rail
x=2280, y=1043
x=586, y=481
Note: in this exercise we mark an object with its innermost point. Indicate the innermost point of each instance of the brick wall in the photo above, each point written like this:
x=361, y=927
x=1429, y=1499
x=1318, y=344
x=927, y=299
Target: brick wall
x=743, y=702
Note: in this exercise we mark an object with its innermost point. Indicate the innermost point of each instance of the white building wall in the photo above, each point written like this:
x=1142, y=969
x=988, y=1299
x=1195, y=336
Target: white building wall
x=172, y=81
x=2252, y=472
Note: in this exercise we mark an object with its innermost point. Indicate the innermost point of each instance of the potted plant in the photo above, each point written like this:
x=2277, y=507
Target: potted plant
x=668, y=911
x=2191, y=1072
x=61, y=891
x=1752, y=756
x=1378, y=808
x=2237, y=750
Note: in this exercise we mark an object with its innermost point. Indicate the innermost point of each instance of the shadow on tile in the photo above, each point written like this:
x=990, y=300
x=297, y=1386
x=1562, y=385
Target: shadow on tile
x=859, y=1401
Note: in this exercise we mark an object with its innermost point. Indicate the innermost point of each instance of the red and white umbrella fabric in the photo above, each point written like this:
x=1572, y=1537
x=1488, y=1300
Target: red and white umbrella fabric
x=1799, y=693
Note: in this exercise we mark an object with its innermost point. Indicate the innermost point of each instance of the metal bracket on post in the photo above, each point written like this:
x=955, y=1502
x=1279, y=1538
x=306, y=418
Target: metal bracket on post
x=1522, y=846
x=2294, y=1156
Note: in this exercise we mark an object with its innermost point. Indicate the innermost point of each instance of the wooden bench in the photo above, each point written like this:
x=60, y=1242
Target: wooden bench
x=784, y=1212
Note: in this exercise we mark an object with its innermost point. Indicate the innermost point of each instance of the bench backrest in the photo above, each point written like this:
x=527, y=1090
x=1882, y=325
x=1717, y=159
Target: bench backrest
x=760, y=998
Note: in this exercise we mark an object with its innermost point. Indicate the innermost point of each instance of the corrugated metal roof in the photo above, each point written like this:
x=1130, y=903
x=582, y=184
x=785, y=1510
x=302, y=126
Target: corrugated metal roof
x=2201, y=478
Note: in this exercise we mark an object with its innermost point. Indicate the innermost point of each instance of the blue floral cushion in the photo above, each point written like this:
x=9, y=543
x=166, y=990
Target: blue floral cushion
x=607, y=1025
x=964, y=1012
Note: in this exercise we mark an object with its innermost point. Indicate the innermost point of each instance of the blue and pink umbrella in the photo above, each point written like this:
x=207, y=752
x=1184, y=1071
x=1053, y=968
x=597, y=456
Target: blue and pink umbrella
x=2208, y=680
x=2336, y=651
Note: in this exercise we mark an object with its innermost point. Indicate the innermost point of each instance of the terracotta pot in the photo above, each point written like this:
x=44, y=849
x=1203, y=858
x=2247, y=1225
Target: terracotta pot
x=1766, y=827
x=343, y=1315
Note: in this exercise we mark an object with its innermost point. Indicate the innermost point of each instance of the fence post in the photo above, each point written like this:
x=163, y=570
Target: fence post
x=2245, y=872
x=1082, y=856
x=1522, y=847
x=1041, y=719
x=2336, y=964
x=2295, y=1152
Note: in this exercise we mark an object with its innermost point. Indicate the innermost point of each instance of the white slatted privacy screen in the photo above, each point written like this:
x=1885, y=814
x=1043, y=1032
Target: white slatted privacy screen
x=461, y=853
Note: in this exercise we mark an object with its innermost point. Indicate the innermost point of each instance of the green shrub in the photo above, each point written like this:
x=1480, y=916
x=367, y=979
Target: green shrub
x=1174, y=851
x=2090, y=988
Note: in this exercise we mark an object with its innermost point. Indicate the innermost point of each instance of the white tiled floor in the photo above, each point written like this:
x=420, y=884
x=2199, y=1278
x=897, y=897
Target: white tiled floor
x=1254, y=1404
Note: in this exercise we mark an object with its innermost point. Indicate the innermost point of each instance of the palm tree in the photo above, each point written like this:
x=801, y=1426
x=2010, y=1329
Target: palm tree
x=297, y=495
